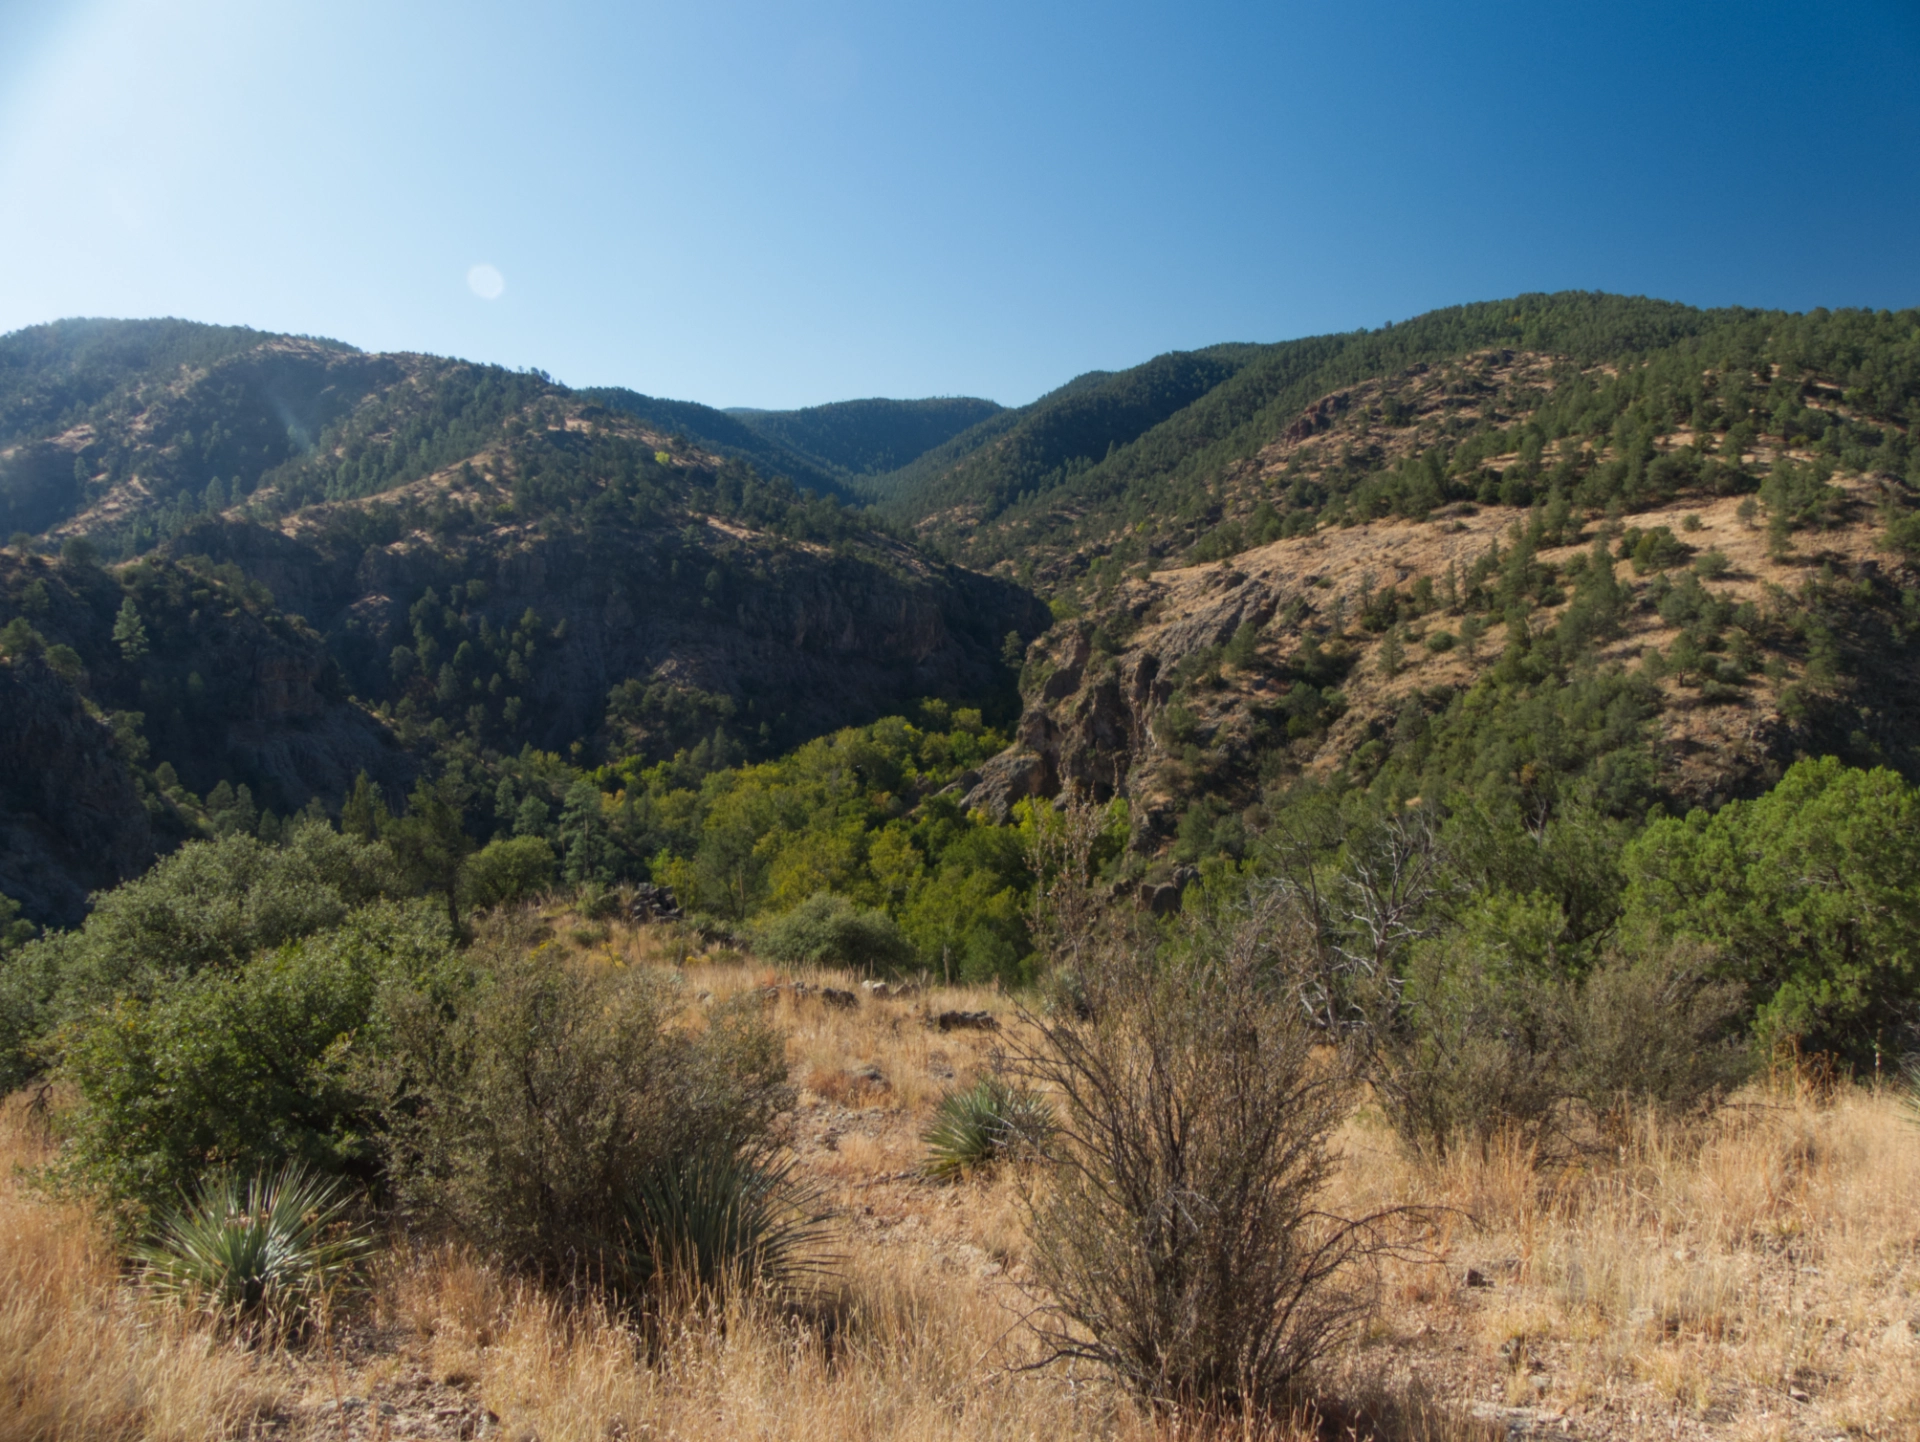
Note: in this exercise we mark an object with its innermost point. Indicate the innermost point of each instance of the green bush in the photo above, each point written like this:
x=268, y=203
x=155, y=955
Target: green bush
x=977, y=1126
x=1652, y=550
x=1473, y=1054
x=1808, y=895
x=1499, y=1039
x=245, y=1066
x=829, y=930
x=258, y=1256
x=1649, y=1029
x=211, y=904
x=522, y=1114
x=506, y=871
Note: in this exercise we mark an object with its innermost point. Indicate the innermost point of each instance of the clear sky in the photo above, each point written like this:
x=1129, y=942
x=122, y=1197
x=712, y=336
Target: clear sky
x=781, y=204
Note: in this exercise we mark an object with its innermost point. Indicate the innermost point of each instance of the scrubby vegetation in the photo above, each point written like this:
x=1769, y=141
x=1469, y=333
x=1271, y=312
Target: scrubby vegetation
x=1558, y=879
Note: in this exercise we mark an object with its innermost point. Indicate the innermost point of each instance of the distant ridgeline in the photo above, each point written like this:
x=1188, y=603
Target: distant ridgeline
x=1558, y=561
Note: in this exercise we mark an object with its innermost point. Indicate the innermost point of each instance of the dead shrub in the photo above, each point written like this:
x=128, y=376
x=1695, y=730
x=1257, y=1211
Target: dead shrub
x=1177, y=1239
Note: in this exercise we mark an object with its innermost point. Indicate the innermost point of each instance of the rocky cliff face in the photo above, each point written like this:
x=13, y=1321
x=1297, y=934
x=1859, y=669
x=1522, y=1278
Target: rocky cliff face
x=1145, y=697
x=71, y=820
x=806, y=637
x=220, y=687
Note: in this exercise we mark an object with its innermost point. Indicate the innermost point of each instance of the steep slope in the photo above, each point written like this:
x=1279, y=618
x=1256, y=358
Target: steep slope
x=1194, y=484
x=1369, y=561
x=71, y=818
x=118, y=727
x=1580, y=544
x=574, y=546
x=1045, y=446
x=125, y=423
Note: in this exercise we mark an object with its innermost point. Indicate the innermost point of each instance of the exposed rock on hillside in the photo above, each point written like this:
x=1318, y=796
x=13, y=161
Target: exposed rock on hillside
x=808, y=637
x=1167, y=708
x=222, y=687
x=71, y=821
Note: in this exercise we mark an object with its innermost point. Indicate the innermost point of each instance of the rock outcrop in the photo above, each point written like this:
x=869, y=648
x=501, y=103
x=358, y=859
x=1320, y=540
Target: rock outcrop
x=71, y=820
x=814, y=637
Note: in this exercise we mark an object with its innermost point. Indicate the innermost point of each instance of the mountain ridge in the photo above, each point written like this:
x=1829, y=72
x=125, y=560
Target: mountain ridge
x=495, y=564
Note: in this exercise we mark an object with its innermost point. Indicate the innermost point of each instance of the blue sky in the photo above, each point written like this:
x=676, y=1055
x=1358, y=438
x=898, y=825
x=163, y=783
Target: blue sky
x=776, y=205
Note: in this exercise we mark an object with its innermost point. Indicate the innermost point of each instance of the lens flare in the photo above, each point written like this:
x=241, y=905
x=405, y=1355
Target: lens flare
x=486, y=282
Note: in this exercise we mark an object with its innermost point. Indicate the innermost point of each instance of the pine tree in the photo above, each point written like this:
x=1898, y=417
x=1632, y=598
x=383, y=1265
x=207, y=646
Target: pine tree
x=364, y=812
x=129, y=631
x=531, y=818
x=583, y=836
x=430, y=841
x=1393, y=652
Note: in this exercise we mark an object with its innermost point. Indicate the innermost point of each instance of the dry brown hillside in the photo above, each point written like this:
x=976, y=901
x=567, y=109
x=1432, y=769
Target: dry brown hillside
x=1146, y=691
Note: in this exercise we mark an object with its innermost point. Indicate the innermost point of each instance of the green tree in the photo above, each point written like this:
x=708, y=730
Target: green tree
x=129, y=631
x=18, y=639
x=583, y=836
x=364, y=812
x=430, y=842
x=1810, y=894
x=66, y=663
x=1393, y=652
x=15, y=931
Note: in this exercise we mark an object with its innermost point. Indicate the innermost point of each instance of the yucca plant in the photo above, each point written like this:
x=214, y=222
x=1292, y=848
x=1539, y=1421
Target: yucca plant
x=722, y=1217
x=257, y=1254
x=978, y=1125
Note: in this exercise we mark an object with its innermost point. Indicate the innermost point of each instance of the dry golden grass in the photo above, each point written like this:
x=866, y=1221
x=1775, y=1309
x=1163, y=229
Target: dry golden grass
x=80, y=1357
x=1751, y=1277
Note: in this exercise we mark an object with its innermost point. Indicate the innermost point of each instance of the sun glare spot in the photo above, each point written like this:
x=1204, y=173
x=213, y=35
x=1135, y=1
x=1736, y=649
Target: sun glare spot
x=486, y=282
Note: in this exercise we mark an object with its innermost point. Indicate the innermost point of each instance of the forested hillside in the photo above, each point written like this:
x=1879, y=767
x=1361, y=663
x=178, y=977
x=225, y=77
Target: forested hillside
x=447, y=567
x=1573, y=560
x=615, y=853
x=1198, y=456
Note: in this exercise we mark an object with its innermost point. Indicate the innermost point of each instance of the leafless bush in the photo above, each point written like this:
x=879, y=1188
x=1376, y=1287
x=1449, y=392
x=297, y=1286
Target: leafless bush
x=1177, y=1240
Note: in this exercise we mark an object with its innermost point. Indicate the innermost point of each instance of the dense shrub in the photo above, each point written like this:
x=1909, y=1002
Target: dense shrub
x=1650, y=1029
x=1473, y=1054
x=523, y=1113
x=1491, y=1044
x=1809, y=895
x=212, y=904
x=246, y=1066
x=829, y=930
x=507, y=870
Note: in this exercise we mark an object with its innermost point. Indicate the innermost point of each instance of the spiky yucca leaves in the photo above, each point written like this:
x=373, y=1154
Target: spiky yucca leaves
x=977, y=1125
x=721, y=1217
x=257, y=1254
